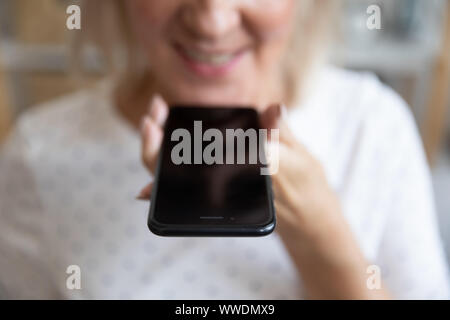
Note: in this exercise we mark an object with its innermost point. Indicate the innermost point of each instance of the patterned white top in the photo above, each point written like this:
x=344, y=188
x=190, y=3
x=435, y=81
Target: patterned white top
x=70, y=172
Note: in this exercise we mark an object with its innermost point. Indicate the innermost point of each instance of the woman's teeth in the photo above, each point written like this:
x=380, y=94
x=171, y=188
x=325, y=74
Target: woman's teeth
x=210, y=58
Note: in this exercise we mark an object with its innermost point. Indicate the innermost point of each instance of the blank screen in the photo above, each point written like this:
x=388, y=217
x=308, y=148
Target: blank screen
x=211, y=194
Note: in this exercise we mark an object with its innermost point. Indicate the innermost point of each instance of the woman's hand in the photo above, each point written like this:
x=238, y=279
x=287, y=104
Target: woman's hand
x=311, y=224
x=151, y=136
x=309, y=218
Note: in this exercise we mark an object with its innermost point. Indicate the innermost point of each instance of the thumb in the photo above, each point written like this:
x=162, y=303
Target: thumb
x=270, y=118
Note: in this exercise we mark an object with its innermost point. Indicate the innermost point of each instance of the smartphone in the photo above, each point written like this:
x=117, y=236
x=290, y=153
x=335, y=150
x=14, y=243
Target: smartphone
x=208, y=180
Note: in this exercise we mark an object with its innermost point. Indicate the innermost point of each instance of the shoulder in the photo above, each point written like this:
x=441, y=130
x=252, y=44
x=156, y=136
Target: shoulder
x=360, y=96
x=67, y=119
x=67, y=112
x=347, y=113
x=359, y=107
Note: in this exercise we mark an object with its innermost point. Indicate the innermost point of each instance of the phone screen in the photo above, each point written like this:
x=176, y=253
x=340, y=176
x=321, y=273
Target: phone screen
x=209, y=170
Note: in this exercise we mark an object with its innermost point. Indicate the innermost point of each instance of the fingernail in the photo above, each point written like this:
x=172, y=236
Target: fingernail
x=142, y=195
x=156, y=98
x=144, y=123
x=278, y=109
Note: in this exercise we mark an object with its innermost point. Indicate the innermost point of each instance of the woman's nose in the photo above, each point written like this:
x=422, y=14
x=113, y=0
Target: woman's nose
x=211, y=19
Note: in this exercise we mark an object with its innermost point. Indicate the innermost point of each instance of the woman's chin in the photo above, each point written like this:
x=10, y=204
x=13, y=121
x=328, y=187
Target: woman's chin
x=217, y=96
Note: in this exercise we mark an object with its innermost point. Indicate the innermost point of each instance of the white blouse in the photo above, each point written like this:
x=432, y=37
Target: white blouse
x=71, y=170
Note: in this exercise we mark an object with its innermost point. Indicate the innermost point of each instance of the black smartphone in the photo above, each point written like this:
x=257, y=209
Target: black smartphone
x=209, y=177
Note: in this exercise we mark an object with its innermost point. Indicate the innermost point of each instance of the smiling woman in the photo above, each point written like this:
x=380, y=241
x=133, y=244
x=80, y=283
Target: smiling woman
x=280, y=43
x=352, y=187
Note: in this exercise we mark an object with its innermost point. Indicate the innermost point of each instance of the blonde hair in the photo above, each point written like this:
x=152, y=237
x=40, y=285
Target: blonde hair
x=107, y=27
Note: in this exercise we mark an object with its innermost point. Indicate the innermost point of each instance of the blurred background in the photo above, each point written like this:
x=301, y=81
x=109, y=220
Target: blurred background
x=411, y=53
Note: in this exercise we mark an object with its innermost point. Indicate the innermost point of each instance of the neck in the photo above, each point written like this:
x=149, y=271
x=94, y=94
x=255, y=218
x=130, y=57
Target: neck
x=132, y=98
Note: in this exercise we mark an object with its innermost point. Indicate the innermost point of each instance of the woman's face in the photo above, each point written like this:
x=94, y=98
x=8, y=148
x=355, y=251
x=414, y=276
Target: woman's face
x=214, y=51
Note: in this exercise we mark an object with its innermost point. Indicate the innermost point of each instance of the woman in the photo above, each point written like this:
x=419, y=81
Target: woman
x=352, y=194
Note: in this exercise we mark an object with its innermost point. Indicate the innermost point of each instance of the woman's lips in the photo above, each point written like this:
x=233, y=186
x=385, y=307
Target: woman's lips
x=209, y=64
